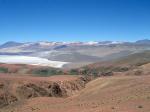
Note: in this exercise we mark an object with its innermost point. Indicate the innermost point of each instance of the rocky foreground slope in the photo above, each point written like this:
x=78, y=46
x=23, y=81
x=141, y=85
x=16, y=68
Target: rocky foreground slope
x=15, y=89
x=106, y=94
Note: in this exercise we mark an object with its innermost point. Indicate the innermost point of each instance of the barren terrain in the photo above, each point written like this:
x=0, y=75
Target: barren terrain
x=105, y=94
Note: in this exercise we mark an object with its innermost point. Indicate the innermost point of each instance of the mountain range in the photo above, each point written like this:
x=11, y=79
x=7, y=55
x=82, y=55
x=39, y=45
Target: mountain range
x=77, y=54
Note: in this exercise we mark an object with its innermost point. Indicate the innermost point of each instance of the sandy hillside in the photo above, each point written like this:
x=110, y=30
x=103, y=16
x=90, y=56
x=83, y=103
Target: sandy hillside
x=107, y=94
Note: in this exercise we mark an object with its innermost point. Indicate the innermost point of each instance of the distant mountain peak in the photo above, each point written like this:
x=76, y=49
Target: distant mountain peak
x=10, y=44
x=144, y=41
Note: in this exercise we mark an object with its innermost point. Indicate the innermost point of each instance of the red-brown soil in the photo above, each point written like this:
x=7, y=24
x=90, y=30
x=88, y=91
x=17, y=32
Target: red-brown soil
x=14, y=88
x=106, y=94
x=21, y=69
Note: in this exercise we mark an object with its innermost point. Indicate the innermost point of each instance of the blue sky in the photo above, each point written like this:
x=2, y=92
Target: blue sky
x=74, y=20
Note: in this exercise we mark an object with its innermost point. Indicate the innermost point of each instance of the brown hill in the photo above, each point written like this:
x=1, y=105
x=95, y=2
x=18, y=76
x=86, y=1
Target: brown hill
x=18, y=88
x=124, y=64
x=107, y=94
